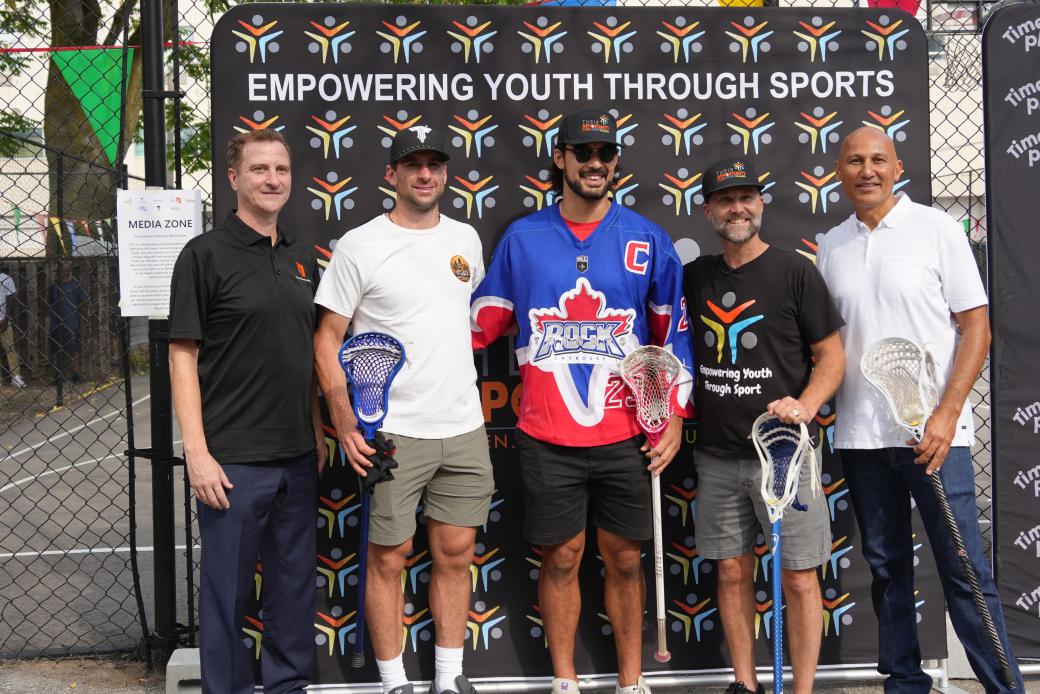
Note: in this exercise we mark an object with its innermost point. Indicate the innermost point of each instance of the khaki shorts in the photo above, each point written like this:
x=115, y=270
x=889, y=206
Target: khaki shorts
x=451, y=477
x=731, y=514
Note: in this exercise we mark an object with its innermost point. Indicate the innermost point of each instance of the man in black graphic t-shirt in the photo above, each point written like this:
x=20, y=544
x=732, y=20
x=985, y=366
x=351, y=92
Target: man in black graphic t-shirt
x=760, y=316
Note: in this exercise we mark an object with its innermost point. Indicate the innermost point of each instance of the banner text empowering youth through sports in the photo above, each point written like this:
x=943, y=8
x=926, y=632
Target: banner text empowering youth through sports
x=650, y=86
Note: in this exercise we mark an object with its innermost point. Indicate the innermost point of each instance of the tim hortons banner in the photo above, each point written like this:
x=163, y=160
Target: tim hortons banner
x=1011, y=72
x=688, y=86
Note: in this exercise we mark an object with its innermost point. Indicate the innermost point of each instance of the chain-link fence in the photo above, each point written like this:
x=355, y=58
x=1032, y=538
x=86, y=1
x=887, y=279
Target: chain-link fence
x=66, y=489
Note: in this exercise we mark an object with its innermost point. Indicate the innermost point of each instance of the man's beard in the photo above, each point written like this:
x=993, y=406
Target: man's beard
x=576, y=187
x=417, y=205
x=737, y=236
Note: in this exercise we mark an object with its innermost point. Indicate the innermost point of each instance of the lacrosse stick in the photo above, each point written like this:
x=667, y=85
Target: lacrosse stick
x=782, y=449
x=905, y=375
x=652, y=373
x=370, y=361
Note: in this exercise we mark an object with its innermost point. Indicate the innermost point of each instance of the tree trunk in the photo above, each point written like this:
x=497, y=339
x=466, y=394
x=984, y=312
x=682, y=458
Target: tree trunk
x=82, y=184
x=82, y=181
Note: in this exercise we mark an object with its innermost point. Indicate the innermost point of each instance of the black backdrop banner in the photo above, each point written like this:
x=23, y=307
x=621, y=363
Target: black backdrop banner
x=1011, y=80
x=688, y=86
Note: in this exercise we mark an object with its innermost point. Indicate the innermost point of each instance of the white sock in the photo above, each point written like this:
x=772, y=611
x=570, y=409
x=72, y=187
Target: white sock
x=391, y=673
x=448, y=666
x=634, y=689
x=562, y=685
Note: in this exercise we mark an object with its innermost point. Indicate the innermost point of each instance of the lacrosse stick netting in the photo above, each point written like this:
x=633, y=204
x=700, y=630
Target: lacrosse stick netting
x=905, y=374
x=370, y=361
x=651, y=373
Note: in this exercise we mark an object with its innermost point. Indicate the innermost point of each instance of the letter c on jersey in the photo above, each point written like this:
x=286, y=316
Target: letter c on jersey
x=637, y=256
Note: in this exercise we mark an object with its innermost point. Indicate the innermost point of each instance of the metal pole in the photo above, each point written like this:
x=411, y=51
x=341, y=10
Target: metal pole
x=61, y=358
x=159, y=347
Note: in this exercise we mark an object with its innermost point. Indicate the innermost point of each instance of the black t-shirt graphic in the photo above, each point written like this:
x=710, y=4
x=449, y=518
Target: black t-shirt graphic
x=752, y=331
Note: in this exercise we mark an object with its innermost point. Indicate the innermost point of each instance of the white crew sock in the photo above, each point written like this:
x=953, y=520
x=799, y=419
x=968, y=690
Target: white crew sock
x=448, y=666
x=636, y=688
x=561, y=685
x=391, y=673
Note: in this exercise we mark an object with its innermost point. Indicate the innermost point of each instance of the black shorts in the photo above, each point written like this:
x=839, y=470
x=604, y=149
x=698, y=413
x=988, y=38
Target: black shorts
x=566, y=488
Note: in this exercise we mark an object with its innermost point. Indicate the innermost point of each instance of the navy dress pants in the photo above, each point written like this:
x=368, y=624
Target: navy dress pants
x=270, y=521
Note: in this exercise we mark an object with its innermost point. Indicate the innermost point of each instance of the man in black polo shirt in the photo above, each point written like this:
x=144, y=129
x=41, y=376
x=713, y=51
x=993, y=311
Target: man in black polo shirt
x=761, y=317
x=241, y=365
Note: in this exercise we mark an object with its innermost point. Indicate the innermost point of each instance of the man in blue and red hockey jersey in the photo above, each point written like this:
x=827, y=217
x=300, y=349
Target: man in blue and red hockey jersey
x=588, y=281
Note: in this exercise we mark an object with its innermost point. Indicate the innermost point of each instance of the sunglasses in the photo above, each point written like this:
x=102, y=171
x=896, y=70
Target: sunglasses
x=583, y=153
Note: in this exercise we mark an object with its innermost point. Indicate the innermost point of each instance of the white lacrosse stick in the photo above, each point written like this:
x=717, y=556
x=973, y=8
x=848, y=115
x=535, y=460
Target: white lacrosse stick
x=782, y=449
x=652, y=374
x=905, y=375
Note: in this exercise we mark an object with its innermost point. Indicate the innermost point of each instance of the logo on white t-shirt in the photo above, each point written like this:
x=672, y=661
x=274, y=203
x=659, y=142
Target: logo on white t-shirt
x=460, y=268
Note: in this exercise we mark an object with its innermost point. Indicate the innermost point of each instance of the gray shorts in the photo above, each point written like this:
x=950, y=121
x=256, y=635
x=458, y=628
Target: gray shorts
x=451, y=477
x=731, y=514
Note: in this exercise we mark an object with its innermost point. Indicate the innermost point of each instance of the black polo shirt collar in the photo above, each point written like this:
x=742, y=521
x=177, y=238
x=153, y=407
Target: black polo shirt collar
x=248, y=236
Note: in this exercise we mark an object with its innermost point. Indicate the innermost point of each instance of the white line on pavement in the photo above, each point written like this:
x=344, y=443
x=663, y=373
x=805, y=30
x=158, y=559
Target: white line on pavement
x=96, y=550
x=55, y=471
x=70, y=432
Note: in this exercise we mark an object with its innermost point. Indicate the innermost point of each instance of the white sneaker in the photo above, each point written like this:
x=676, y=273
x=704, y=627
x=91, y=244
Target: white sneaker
x=17, y=381
x=640, y=687
x=562, y=686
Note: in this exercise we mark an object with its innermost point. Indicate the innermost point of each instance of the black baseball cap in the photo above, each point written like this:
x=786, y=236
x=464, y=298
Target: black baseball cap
x=417, y=138
x=586, y=126
x=729, y=173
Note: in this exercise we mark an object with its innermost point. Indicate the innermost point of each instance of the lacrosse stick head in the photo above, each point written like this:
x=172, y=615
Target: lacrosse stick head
x=651, y=373
x=781, y=450
x=370, y=361
x=904, y=373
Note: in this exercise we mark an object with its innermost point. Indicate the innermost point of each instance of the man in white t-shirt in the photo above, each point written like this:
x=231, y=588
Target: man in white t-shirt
x=8, y=290
x=899, y=269
x=410, y=273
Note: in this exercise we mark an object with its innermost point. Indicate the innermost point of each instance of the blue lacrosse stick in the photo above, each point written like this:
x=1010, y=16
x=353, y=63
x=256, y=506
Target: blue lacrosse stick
x=370, y=361
x=781, y=450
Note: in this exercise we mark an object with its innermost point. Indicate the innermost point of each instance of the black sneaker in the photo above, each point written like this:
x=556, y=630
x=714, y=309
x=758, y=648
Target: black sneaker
x=741, y=688
x=462, y=686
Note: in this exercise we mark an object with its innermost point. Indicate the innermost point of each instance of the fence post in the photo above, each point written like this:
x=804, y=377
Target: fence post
x=159, y=347
x=61, y=357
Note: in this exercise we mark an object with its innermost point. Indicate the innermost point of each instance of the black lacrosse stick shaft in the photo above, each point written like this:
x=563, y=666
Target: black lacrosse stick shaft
x=382, y=464
x=973, y=581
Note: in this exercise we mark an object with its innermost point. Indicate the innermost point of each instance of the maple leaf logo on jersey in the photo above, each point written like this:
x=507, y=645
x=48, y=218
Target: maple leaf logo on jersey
x=582, y=329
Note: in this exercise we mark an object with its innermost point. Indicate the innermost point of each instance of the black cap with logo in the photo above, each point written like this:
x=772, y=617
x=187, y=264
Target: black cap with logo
x=729, y=173
x=586, y=126
x=418, y=138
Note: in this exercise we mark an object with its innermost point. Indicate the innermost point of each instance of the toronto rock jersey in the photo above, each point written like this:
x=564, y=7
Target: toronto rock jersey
x=581, y=307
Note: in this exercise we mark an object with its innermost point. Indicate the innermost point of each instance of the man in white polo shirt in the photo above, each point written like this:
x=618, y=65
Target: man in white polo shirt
x=899, y=269
x=410, y=273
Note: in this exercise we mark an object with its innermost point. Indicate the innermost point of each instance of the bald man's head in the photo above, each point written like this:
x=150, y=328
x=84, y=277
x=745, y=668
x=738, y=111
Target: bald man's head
x=867, y=136
x=868, y=168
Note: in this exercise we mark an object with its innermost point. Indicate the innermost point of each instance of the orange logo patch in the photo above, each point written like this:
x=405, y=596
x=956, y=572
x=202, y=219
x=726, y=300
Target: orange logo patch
x=300, y=270
x=460, y=268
